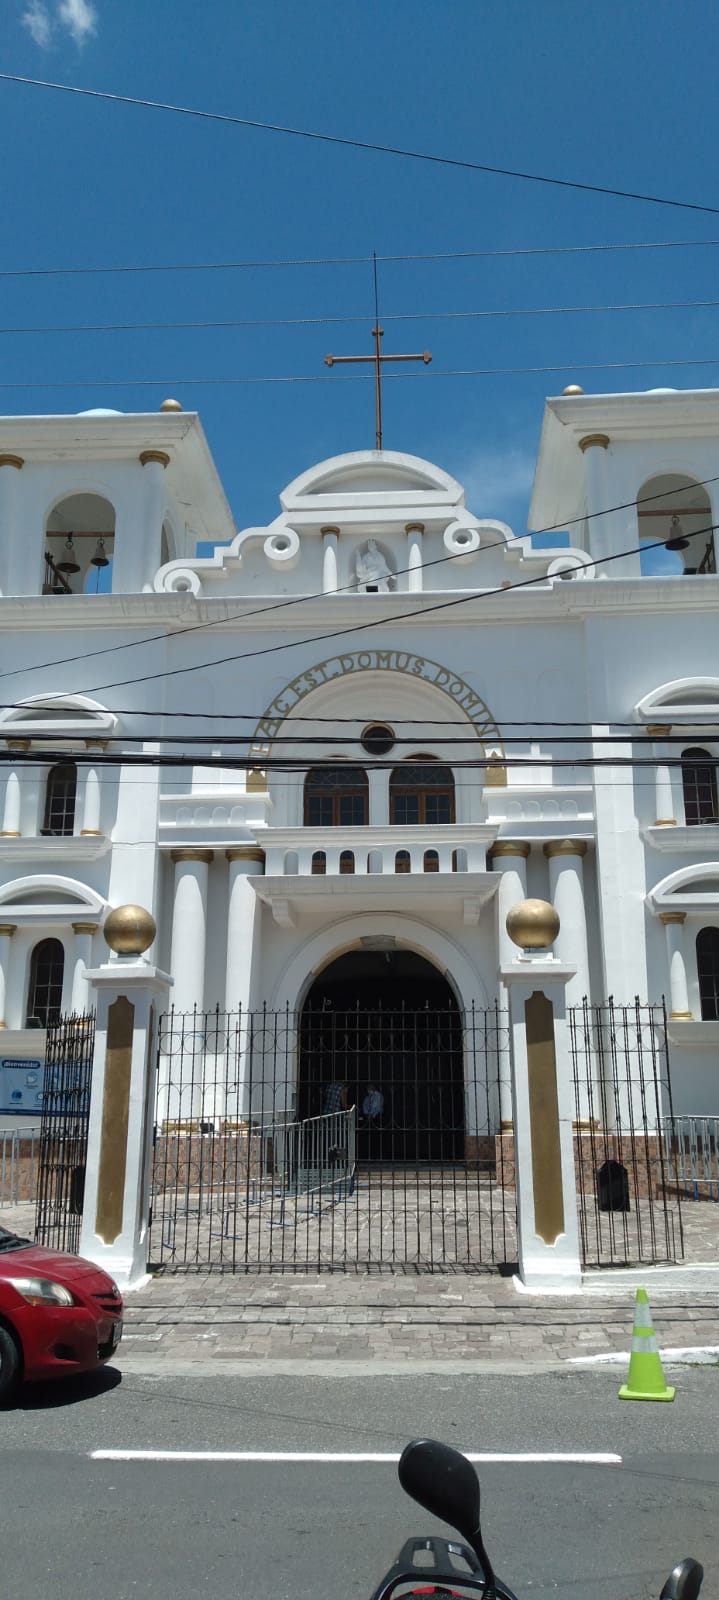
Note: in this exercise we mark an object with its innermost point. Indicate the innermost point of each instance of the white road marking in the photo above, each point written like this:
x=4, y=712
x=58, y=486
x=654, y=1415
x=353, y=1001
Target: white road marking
x=333, y=1458
x=699, y=1353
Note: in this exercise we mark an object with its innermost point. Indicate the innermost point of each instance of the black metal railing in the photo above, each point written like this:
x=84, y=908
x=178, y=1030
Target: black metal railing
x=334, y=1139
x=624, y=1150
x=62, y=1152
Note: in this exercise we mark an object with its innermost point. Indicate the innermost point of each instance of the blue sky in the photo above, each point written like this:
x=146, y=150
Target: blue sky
x=622, y=95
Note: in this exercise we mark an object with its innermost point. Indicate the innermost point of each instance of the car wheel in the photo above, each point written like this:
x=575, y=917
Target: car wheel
x=9, y=1365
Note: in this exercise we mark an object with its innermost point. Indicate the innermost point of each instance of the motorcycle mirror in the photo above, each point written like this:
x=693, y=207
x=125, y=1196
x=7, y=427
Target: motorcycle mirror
x=684, y=1582
x=445, y=1483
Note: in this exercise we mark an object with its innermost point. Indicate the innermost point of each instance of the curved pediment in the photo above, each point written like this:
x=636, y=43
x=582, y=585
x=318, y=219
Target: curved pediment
x=684, y=700
x=363, y=475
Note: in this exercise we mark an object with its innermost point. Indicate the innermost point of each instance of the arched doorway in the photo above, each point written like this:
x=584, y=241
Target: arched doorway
x=381, y=1030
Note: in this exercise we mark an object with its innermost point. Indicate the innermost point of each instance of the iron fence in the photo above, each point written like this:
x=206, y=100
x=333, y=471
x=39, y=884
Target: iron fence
x=625, y=1135
x=691, y=1146
x=18, y=1166
x=62, y=1151
x=334, y=1139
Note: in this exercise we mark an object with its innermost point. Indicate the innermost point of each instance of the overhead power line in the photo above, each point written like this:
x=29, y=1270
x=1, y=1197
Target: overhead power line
x=303, y=599
x=574, y=366
x=298, y=764
x=351, y=261
x=203, y=325
x=362, y=627
x=360, y=144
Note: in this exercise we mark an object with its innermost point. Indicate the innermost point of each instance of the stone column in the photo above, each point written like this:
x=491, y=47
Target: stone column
x=543, y=1104
x=90, y=810
x=566, y=892
x=511, y=858
x=11, y=810
x=414, y=532
x=9, y=520
x=678, y=990
x=7, y=929
x=153, y=463
x=81, y=961
x=243, y=953
x=329, y=559
x=117, y=1180
x=664, y=803
x=189, y=919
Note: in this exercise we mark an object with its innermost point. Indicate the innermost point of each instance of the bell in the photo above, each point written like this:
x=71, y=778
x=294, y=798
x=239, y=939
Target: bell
x=676, y=540
x=68, y=564
x=99, y=559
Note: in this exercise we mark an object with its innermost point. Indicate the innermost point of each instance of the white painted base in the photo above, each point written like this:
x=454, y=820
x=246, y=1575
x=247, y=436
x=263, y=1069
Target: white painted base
x=549, y=1282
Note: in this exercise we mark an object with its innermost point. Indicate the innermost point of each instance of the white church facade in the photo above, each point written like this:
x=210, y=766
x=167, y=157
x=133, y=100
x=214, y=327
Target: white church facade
x=331, y=755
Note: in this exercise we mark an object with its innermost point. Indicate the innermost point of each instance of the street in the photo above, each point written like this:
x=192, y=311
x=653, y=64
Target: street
x=317, y=1527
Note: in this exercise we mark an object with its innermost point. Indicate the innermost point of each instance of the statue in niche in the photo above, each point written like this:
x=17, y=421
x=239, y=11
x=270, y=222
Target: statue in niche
x=371, y=570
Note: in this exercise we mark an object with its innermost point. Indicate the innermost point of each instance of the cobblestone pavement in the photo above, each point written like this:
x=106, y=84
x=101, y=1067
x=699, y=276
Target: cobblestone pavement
x=393, y=1316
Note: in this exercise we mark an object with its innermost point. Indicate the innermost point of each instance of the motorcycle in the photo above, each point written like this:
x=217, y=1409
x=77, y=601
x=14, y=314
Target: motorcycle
x=444, y=1483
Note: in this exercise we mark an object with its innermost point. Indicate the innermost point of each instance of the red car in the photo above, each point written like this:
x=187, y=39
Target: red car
x=59, y=1314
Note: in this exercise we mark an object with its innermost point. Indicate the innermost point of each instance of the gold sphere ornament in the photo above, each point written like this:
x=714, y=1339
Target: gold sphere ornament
x=533, y=924
x=129, y=930
x=573, y=388
x=170, y=405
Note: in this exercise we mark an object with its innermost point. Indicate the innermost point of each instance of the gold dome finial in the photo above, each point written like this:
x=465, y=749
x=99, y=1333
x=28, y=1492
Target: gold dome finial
x=129, y=930
x=170, y=405
x=533, y=924
x=573, y=388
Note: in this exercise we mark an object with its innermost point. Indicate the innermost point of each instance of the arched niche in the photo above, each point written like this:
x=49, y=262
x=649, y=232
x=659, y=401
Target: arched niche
x=676, y=510
x=79, y=545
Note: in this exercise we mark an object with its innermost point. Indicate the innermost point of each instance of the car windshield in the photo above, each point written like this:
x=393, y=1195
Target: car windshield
x=11, y=1241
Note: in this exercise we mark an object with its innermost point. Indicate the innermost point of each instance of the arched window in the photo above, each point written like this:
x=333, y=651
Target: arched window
x=403, y=861
x=336, y=797
x=677, y=511
x=60, y=793
x=44, y=995
x=699, y=782
x=431, y=861
x=319, y=864
x=79, y=545
x=708, y=970
x=347, y=862
x=421, y=794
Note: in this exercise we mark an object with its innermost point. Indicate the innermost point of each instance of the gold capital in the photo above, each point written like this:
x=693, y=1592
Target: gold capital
x=330, y=527
x=599, y=439
x=658, y=730
x=681, y=1016
x=7, y=929
x=509, y=847
x=414, y=527
x=189, y=853
x=245, y=852
x=565, y=847
x=669, y=917
x=85, y=927
x=18, y=744
x=12, y=461
x=154, y=455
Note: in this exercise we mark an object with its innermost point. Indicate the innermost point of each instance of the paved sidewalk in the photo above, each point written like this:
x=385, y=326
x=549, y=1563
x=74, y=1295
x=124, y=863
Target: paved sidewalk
x=384, y=1317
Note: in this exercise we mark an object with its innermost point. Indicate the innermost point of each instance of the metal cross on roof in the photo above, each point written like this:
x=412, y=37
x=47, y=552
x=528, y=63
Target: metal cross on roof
x=378, y=360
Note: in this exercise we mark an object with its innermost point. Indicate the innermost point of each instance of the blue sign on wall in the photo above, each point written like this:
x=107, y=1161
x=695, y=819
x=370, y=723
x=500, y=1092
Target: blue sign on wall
x=21, y=1085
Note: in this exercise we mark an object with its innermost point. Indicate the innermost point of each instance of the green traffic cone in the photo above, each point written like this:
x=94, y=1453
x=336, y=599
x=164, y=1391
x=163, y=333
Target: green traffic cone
x=646, y=1378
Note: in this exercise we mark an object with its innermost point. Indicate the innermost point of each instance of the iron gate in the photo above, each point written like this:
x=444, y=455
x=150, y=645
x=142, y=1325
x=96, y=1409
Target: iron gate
x=626, y=1147
x=332, y=1140
x=62, y=1153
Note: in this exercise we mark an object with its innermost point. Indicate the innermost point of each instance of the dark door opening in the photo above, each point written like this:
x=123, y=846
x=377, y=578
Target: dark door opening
x=381, y=1031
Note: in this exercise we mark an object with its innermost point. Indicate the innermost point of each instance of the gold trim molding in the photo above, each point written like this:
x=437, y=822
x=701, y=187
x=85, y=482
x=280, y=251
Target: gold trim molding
x=85, y=927
x=245, y=852
x=681, y=1016
x=331, y=527
x=668, y=917
x=12, y=461
x=544, y=1118
x=565, y=847
x=601, y=440
x=7, y=929
x=189, y=853
x=154, y=455
x=414, y=527
x=115, y=1119
x=658, y=730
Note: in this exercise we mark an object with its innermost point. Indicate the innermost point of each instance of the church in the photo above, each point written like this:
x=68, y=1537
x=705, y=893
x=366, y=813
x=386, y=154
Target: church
x=330, y=755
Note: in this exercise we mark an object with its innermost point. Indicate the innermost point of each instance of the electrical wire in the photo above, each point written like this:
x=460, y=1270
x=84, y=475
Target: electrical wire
x=358, y=144
x=289, y=764
x=362, y=627
x=347, y=261
x=327, y=321
x=426, y=375
x=292, y=600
